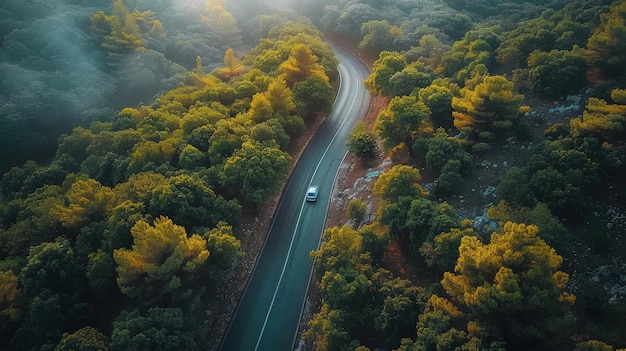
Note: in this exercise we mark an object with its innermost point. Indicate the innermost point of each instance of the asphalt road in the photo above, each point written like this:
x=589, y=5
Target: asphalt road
x=268, y=314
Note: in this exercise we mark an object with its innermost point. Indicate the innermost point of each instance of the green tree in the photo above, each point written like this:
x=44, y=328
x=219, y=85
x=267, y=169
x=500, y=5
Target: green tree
x=159, y=329
x=557, y=73
x=403, y=121
x=54, y=288
x=401, y=180
x=416, y=220
x=413, y=77
x=438, y=99
x=313, y=95
x=387, y=64
x=270, y=133
x=191, y=158
x=256, y=172
x=447, y=247
x=450, y=178
x=189, y=201
x=376, y=36
x=225, y=249
x=442, y=148
x=362, y=143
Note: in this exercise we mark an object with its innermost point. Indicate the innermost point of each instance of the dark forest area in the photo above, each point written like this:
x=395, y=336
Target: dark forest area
x=135, y=135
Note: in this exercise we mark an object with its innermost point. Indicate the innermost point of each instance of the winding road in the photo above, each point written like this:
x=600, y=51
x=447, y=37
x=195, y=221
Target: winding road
x=269, y=311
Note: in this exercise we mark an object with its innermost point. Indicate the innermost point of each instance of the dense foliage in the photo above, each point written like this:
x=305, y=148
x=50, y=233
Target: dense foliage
x=462, y=79
x=134, y=133
x=123, y=237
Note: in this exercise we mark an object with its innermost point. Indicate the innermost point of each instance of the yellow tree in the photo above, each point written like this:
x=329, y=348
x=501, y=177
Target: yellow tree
x=300, y=64
x=232, y=67
x=492, y=106
x=87, y=200
x=511, y=288
x=120, y=31
x=280, y=97
x=162, y=259
x=608, y=121
x=606, y=47
x=260, y=108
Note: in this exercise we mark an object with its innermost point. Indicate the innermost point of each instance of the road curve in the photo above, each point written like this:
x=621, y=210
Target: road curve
x=269, y=311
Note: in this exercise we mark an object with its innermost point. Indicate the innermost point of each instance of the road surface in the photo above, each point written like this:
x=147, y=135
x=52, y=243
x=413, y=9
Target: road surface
x=269, y=311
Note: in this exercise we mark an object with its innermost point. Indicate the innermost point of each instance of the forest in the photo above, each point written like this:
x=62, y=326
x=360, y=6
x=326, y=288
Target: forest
x=135, y=135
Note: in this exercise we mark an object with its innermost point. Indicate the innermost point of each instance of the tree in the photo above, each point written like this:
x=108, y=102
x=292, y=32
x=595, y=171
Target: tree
x=356, y=210
x=280, y=97
x=511, y=288
x=593, y=345
x=189, y=201
x=401, y=180
x=256, y=172
x=232, y=67
x=362, y=143
x=446, y=248
x=191, y=158
x=270, y=133
x=450, y=177
x=607, y=44
x=10, y=308
x=557, y=73
x=416, y=220
x=162, y=262
x=362, y=304
x=438, y=99
x=387, y=64
x=219, y=20
x=442, y=148
x=84, y=339
x=601, y=119
x=313, y=95
x=225, y=249
x=404, y=120
x=301, y=64
x=260, y=108
x=54, y=290
x=87, y=200
x=158, y=329
x=376, y=35
x=490, y=108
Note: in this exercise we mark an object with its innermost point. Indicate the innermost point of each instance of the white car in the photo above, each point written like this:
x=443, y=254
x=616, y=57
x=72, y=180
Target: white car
x=311, y=194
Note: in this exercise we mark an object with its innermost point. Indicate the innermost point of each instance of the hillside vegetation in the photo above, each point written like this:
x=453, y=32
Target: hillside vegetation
x=134, y=135
x=500, y=221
